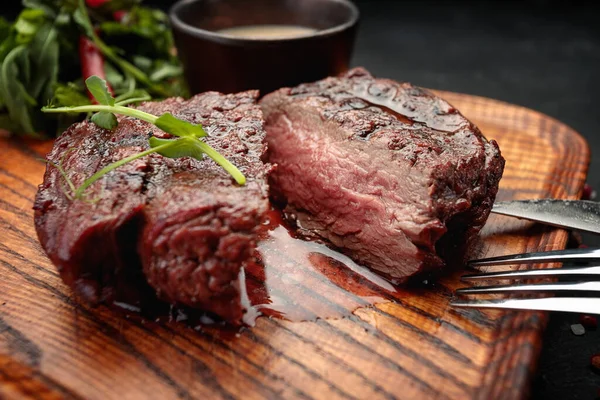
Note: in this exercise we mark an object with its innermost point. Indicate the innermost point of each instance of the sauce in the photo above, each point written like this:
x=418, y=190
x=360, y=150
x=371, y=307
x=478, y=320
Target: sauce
x=268, y=31
x=290, y=278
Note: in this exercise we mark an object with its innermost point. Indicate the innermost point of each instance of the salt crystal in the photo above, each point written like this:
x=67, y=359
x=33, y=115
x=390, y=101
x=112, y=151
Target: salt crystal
x=577, y=329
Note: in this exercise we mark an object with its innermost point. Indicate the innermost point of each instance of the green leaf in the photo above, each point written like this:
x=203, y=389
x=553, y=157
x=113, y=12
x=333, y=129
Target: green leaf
x=99, y=90
x=81, y=19
x=134, y=96
x=62, y=19
x=44, y=55
x=49, y=10
x=109, y=52
x=7, y=46
x=24, y=67
x=165, y=71
x=113, y=76
x=148, y=27
x=168, y=123
x=28, y=23
x=65, y=176
x=14, y=93
x=69, y=95
x=185, y=147
x=105, y=120
x=143, y=63
x=194, y=147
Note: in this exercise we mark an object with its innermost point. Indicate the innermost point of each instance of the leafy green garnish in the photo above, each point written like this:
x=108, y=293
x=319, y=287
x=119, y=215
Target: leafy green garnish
x=44, y=54
x=63, y=173
x=134, y=96
x=82, y=18
x=28, y=24
x=13, y=93
x=189, y=136
x=28, y=70
x=177, y=127
x=105, y=120
x=99, y=90
x=164, y=71
x=149, y=26
x=41, y=60
x=70, y=94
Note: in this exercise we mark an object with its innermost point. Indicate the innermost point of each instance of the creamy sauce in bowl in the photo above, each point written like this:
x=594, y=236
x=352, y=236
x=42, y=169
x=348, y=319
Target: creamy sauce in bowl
x=268, y=31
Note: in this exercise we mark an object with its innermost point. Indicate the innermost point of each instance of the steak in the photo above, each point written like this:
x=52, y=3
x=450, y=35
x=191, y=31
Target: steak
x=385, y=171
x=182, y=225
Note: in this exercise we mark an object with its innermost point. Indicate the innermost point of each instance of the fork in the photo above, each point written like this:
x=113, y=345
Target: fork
x=542, y=211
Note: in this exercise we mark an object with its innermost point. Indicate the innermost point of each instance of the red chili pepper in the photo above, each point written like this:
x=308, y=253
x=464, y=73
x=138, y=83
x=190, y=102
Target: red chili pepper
x=119, y=15
x=92, y=62
x=595, y=362
x=589, y=321
x=96, y=3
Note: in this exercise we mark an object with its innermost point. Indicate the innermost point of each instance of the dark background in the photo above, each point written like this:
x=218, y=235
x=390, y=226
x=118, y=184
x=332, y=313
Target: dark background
x=544, y=55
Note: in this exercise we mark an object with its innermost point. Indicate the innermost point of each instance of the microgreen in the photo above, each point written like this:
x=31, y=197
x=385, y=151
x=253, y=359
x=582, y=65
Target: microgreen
x=54, y=45
x=188, y=143
x=63, y=173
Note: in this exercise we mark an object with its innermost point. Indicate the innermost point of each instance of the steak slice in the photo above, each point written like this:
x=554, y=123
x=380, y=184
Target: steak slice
x=382, y=170
x=183, y=222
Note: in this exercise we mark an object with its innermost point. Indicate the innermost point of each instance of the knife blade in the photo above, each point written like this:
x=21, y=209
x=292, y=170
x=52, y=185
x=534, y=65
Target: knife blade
x=582, y=215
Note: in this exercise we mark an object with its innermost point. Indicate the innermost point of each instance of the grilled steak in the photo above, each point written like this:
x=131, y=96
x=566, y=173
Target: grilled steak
x=382, y=170
x=185, y=220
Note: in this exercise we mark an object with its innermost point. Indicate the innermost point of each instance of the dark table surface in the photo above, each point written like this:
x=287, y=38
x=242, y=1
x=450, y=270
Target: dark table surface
x=544, y=55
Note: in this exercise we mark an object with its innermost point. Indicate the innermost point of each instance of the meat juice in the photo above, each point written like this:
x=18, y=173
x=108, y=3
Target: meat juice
x=301, y=280
x=290, y=279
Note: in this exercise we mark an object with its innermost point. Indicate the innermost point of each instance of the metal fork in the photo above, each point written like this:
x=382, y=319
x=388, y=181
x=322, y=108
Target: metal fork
x=543, y=211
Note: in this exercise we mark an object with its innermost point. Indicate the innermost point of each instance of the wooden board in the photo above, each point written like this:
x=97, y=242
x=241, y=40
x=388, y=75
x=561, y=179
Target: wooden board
x=417, y=347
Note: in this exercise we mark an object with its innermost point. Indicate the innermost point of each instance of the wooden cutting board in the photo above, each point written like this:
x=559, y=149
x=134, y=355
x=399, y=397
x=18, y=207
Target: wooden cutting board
x=416, y=347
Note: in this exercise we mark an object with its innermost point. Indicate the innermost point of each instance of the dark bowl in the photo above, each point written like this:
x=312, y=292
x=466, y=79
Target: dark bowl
x=225, y=63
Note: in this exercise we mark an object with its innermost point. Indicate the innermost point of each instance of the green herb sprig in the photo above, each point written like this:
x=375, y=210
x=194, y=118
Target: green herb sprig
x=189, y=136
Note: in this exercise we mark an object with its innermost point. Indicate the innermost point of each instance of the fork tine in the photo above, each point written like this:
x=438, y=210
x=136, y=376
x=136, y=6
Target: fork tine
x=534, y=273
x=546, y=256
x=566, y=304
x=558, y=287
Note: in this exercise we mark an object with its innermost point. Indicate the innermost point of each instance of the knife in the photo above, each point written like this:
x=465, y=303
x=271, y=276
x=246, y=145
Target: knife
x=582, y=215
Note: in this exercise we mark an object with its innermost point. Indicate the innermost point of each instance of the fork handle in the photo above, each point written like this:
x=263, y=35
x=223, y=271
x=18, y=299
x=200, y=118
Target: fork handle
x=571, y=255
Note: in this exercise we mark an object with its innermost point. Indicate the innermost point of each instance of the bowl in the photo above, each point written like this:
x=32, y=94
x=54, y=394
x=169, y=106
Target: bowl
x=226, y=62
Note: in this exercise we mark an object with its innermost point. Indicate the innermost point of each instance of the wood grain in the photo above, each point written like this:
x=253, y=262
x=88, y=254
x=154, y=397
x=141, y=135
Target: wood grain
x=52, y=346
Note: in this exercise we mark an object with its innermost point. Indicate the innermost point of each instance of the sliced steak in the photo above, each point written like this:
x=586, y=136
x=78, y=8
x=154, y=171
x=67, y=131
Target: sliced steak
x=186, y=220
x=382, y=170
x=200, y=226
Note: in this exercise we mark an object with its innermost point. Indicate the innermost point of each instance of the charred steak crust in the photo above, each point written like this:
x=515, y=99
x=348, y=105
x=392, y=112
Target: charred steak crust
x=187, y=222
x=383, y=170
